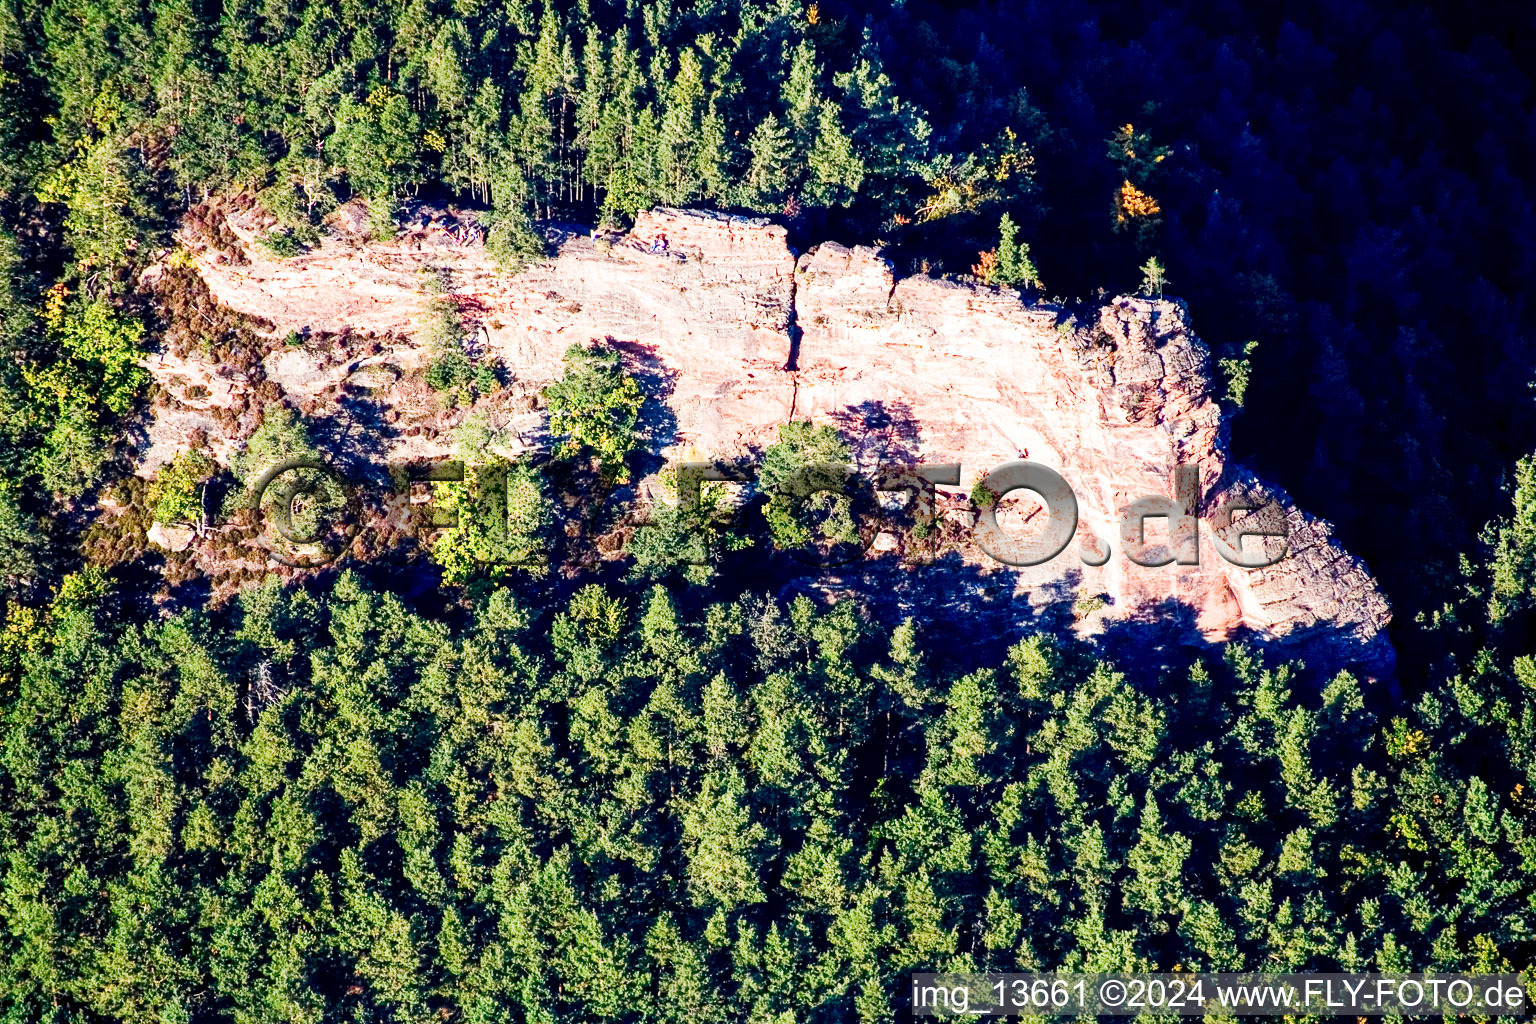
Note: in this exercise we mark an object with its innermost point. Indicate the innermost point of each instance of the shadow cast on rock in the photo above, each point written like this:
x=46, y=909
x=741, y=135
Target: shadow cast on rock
x=353, y=434
x=879, y=433
x=1164, y=638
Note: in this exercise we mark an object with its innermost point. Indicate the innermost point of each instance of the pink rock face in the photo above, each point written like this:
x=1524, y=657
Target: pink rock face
x=1113, y=405
x=737, y=336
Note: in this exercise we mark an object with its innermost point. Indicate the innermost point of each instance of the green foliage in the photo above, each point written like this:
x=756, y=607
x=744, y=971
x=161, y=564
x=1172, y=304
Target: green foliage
x=594, y=408
x=74, y=453
x=176, y=496
x=624, y=808
x=106, y=190
x=282, y=243
x=768, y=177
x=381, y=217
x=514, y=240
x=99, y=369
x=95, y=377
x=378, y=143
x=736, y=104
x=501, y=512
x=1088, y=604
x=995, y=172
x=481, y=439
x=889, y=117
x=1237, y=370
x=1010, y=263
x=684, y=541
x=514, y=244
x=450, y=370
x=301, y=196
x=453, y=373
x=281, y=438
x=836, y=169
x=807, y=460
x=1153, y=278
x=1513, y=540
x=502, y=515
x=277, y=462
x=1134, y=155
x=21, y=540
x=334, y=809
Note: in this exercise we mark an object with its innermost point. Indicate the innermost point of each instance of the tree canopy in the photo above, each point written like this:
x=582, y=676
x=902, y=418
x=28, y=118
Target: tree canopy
x=328, y=807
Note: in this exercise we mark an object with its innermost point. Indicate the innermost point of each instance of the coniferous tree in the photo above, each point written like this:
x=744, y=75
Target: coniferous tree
x=678, y=144
x=836, y=170
x=768, y=178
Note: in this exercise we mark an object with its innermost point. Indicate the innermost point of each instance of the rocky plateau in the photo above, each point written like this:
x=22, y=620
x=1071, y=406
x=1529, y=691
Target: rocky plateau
x=733, y=334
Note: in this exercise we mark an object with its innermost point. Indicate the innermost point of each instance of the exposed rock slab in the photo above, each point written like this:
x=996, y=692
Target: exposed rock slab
x=736, y=335
x=171, y=538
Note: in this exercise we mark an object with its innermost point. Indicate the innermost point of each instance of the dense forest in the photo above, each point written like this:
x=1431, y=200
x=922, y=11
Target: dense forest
x=331, y=801
x=327, y=807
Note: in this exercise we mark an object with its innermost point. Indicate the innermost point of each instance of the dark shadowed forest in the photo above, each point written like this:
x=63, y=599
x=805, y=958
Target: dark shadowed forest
x=330, y=801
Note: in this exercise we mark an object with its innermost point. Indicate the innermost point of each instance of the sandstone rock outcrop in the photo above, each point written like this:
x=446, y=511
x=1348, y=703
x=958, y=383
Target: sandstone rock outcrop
x=170, y=538
x=736, y=335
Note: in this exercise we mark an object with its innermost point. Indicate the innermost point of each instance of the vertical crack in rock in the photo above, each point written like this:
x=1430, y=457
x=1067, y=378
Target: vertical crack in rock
x=792, y=327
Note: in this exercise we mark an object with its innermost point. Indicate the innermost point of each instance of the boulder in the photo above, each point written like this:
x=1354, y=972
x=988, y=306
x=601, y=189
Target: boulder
x=170, y=538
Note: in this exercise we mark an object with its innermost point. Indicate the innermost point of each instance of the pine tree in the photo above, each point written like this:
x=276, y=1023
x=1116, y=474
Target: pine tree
x=514, y=240
x=722, y=842
x=836, y=171
x=802, y=97
x=1013, y=263
x=1157, y=865
x=446, y=60
x=889, y=133
x=678, y=146
x=1514, y=544
x=768, y=177
x=713, y=160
